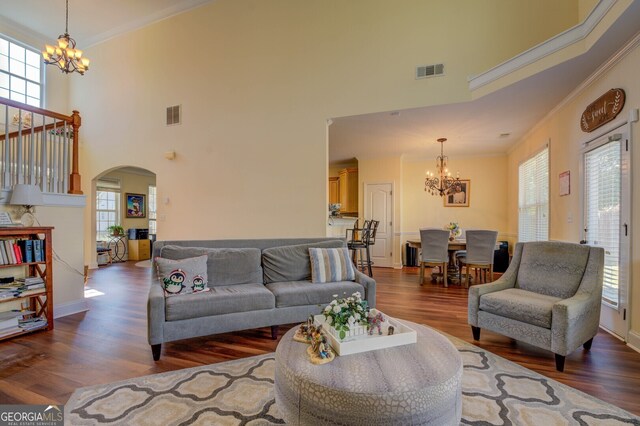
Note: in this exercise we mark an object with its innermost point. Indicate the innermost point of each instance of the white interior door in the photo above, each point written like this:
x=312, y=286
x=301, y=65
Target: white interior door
x=606, y=196
x=378, y=203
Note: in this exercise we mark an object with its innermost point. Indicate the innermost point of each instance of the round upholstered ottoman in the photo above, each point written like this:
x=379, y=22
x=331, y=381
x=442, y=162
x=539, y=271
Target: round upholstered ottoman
x=416, y=384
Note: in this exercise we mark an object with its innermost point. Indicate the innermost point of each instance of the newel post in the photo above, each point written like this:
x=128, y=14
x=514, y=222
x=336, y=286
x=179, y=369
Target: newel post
x=74, y=181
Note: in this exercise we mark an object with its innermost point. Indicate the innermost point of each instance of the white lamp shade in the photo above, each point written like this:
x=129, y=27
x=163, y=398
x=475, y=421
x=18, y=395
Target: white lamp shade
x=26, y=195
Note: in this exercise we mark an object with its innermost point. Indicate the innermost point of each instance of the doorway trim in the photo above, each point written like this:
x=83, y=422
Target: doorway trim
x=392, y=228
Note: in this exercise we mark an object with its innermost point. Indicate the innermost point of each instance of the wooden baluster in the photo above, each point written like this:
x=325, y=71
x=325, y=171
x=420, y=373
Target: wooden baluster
x=20, y=171
x=54, y=158
x=65, y=158
x=75, y=186
x=32, y=162
x=6, y=150
x=43, y=157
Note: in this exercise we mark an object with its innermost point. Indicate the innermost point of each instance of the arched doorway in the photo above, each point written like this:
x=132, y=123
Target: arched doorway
x=123, y=198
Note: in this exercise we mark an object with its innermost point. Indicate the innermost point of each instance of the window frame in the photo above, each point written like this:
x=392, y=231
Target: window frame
x=41, y=83
x=537, y=205
x=153, y=212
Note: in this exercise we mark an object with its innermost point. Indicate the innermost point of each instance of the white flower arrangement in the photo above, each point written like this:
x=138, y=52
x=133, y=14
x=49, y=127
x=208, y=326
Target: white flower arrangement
x=344, y=313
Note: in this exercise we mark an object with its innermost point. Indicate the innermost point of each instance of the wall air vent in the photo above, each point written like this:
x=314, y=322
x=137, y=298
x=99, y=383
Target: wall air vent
x=174, y=115
x=425, y=71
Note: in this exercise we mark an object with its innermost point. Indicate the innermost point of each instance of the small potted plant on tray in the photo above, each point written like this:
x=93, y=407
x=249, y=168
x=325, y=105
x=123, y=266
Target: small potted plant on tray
x=115, y=230
x=347, y=316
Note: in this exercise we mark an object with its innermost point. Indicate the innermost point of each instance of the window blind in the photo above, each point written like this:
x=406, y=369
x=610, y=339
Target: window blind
x=602, y=211
x=533, y=198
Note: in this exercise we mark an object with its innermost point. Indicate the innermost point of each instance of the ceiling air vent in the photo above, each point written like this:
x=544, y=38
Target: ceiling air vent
x=425, y=71
x=174, y=115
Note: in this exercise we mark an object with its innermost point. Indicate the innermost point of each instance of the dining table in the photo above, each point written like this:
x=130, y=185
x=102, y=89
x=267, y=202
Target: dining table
x=452, y=267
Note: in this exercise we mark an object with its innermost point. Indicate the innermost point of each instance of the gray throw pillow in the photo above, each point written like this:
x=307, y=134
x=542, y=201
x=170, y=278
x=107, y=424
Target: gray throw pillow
x=183, y=276
x=291, y=263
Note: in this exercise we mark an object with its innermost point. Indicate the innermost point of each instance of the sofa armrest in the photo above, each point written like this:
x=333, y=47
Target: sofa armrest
x=574, y=321
x=369, y=285
x=155, y=313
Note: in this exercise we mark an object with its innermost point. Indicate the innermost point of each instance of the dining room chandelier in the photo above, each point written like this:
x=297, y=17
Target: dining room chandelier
x=65, y=55
x=442, y=183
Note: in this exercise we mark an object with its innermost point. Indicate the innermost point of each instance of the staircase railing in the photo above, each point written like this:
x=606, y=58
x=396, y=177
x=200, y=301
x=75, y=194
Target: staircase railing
x=39, y=147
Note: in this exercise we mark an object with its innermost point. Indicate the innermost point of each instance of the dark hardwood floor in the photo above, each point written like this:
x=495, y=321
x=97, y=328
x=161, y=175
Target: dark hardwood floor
x=109, y=342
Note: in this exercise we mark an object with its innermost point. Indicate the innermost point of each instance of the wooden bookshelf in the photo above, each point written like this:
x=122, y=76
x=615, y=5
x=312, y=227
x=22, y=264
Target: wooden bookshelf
x=40, y=302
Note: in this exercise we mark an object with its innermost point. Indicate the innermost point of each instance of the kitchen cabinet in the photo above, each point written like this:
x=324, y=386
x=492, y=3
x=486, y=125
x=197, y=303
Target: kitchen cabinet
x=348, y=179
x=334, y=190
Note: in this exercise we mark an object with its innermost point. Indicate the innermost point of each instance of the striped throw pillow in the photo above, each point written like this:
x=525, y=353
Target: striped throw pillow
x=331, y=265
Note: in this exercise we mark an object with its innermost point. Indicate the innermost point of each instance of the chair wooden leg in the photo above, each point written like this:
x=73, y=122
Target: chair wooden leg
x=155, y=351
x=274, y=332
x=444, y=275
x=466, y=282
x=476, y=333
x=421, y=272
x=587, y=344
x=559, y=362
x=491, y=273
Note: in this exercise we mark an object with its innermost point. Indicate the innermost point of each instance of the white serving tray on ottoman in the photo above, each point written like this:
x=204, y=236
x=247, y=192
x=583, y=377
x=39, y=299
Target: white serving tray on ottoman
x=402, y=335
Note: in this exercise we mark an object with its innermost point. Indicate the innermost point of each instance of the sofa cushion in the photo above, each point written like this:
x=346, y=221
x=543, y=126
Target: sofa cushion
x=303, y=293
x=225, y=266
x=291, y=263
x=540, y=271
x=220, y=300
x=185, y=276
x=330, y=265
x=526, y=306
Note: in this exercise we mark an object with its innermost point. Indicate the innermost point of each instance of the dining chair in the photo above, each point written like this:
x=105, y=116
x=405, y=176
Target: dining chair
x=480, y=247
x=435, y=245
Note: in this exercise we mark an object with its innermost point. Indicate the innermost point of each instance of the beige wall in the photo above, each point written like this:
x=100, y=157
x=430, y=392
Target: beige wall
x=487, y=199
x=562, y=129
x=258, y=80
x=585, y=7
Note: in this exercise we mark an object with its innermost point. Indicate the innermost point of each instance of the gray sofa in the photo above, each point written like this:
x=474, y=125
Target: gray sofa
x=548, y=297
x=253, y=284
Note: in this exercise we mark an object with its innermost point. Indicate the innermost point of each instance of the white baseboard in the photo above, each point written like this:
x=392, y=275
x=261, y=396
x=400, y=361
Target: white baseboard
x=70, y=308
x=634, y=340
x=93, y=265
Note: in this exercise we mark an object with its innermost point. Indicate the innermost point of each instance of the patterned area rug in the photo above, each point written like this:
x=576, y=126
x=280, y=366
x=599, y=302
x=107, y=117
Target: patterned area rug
x=494, y=391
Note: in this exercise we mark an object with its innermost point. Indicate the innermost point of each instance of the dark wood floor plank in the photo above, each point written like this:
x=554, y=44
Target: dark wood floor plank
x=109, y=342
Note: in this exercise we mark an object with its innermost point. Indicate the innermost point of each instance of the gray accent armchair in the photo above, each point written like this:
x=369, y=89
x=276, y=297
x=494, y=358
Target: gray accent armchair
x=548, y=297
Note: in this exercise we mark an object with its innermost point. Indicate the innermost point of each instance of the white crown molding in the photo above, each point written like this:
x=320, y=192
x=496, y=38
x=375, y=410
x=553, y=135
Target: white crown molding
x=177, y=8
x=546, y=48
x=601, y=71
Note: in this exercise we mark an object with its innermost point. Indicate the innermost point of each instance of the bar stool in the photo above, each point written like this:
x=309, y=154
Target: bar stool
x=356, y=242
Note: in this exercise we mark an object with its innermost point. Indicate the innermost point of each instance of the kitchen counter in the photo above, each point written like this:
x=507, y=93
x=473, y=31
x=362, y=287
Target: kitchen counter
x=337, y=225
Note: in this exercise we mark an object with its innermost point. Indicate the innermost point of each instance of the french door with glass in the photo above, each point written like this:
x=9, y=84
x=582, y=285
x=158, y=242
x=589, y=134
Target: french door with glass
x=606, y=197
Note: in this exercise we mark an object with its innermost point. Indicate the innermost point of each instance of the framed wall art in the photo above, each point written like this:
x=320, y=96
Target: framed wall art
x=135, y=206
x=459, y=194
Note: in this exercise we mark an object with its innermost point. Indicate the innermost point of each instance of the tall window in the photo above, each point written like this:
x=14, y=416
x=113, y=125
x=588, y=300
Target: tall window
x=20, y=73
x=107, y=206
x=152, y=209
x=533, y=198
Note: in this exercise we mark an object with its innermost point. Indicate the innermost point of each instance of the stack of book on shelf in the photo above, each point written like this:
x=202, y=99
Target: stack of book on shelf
x=30, y=285
x=32, y=323
x=15, y=252
x=9, y=290
x=22, y=287
x=9, y=323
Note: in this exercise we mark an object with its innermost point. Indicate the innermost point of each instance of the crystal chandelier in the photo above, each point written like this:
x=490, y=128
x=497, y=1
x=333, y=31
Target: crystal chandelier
x=65, y=55
x=443, y=183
